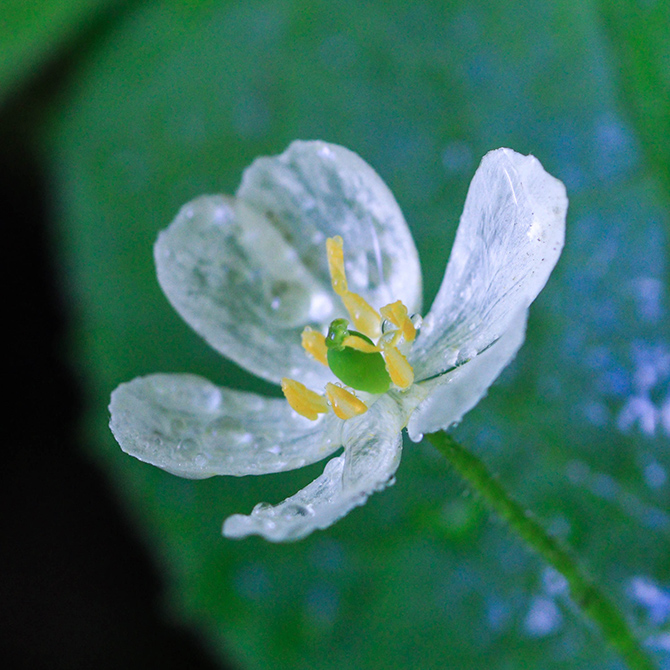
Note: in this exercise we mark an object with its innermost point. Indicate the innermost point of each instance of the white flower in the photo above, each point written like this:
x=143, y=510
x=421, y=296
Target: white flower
x=256, y=277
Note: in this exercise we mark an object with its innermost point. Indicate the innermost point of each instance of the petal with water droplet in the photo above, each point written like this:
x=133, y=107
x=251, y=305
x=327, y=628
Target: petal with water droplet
x=372, y=444
x=316, y=190
x=189, y=427
x=508, y=241
x=454, y=393
x=241, y=285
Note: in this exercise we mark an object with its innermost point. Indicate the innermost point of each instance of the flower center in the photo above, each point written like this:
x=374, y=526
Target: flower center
x=369, y=358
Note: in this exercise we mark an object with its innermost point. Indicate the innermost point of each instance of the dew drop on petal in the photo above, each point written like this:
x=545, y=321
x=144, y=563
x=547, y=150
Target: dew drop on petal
x=428, y=324
x=177, y=425
x=187, y=448
x=263, y=509
x=222, y=216
x=296, y=510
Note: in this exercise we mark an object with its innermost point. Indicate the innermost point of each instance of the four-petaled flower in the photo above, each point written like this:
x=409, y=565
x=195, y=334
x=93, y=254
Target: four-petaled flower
x=270, y=276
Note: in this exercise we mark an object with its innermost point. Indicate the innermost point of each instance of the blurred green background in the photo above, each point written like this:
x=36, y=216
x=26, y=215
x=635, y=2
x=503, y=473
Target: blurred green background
x=115, y=113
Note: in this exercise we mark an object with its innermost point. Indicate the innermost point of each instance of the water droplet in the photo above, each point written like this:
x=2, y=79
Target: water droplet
x=177, y=425
x=221, y=215
x=428, y=324
x=212, y=398
x=224, y=425
x=296, y=510
x=186, y=448
x=263, y=509
x=466, y=354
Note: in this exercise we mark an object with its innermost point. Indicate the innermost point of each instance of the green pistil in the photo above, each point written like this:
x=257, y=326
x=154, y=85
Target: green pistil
x=359, y=370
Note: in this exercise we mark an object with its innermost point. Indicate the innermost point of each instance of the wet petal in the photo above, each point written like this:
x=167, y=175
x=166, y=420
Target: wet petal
x=508, y=241
x=372, y=453
x=192, y=428
x=454, y=393
x=236, y=280
x=316, y=190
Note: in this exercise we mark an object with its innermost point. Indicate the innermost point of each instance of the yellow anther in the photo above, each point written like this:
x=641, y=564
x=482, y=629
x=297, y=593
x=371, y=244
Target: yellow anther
x=314, y=343
x=396, y=313
x=345, y=404
x=338, y=277
x=358, y=343
x=302, y=400
x=365, y=318
x=399, y=369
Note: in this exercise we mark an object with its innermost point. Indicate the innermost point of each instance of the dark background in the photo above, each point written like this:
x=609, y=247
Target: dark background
x=76, y=588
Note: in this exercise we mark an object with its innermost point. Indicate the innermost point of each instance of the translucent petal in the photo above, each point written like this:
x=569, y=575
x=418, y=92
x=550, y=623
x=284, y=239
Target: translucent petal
x=372, y=453
x=239, y=283
x=508, y=241
x=316, y=190
x=192, y=428
x=454, y=393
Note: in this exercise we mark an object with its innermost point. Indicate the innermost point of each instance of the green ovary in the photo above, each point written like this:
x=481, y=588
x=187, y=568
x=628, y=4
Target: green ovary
x=359, y=370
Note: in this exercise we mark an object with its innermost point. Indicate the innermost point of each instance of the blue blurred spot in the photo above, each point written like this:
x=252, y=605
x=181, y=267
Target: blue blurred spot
x=328, y=555
x=252, y=582
x=322, y=604
x=543, y=617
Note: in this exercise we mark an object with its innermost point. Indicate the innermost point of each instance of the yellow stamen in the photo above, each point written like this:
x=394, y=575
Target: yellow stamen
x=396, y=313
x=314, y=343
x=345, y=404
x=338, y=277
x=399, y=369
x=302, y=400
x=358, y=343
x=364, y=317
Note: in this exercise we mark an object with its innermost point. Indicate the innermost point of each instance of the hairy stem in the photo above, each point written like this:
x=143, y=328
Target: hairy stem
x=583, y=590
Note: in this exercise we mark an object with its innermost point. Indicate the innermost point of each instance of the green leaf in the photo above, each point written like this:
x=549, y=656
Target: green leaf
x=176, y=101
x=33, y=31
x=639, y=38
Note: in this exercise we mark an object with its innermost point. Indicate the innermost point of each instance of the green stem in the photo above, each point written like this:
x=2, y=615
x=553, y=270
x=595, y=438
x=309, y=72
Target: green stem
x=584, y=592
